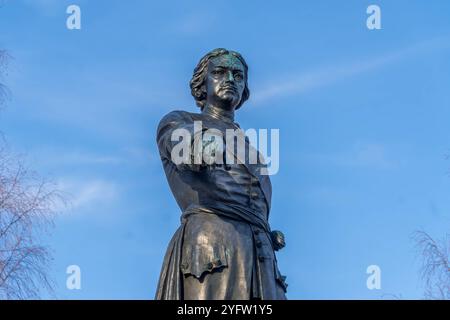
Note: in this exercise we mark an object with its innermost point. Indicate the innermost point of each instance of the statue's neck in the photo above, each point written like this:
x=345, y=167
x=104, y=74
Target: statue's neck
x=218, y=113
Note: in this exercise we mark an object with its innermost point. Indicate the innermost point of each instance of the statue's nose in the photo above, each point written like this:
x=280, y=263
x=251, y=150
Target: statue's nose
x=230, y=76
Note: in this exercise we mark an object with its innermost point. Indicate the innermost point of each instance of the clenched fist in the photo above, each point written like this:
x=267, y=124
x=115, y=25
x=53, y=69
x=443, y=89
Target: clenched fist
x=277, y=240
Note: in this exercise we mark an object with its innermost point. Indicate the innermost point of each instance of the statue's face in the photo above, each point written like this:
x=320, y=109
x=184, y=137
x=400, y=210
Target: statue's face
x=225, y=82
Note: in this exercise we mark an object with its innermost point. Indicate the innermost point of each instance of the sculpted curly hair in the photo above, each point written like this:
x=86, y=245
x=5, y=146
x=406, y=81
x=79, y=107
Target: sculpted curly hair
x=198, y=78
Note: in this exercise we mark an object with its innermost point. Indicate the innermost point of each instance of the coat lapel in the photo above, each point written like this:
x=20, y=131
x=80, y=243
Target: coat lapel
x=253, y=169
x=256, y=170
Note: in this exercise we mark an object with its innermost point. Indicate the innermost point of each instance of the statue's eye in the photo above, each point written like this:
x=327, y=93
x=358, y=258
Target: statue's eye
x=238, y=76
x=217, y=72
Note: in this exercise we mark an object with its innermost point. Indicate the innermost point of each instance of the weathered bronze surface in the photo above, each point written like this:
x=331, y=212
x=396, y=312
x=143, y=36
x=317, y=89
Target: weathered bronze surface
x=224, y=248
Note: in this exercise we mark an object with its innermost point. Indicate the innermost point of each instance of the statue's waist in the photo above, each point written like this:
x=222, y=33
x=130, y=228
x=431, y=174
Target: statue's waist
x=231, y=211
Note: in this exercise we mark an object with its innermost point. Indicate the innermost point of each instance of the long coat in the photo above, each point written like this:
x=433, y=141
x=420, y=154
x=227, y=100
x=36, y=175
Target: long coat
x=223, y=248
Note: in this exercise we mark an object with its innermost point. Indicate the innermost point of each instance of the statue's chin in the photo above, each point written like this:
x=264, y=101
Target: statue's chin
x=229, y=101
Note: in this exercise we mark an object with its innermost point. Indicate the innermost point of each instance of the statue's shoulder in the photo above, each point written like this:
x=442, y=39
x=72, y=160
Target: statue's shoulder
x=174, y=119
x=177, y=115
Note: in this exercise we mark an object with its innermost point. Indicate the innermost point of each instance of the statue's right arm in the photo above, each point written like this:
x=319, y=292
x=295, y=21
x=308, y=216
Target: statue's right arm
x=166, y=126
x=167, y=138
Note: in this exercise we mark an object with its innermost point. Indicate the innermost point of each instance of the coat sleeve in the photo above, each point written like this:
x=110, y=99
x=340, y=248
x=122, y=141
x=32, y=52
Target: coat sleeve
x=168, y=124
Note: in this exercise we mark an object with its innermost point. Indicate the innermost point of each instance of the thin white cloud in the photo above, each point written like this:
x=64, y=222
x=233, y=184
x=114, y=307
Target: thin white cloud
x=117, y=102
x=86, y=195
x=303, y=82
x=47, y=7
x=194, y=23
x=361, y=155
x=86, y=158
x=67, y=156
x=365, y=155
x=81, y=158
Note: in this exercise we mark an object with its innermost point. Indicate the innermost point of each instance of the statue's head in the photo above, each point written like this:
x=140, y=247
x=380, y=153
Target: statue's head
x=220, y=78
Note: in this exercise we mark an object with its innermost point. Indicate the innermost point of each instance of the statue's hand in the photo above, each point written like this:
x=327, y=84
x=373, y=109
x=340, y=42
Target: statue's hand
x=204, y=152
x=212, y=150
x=277, y=240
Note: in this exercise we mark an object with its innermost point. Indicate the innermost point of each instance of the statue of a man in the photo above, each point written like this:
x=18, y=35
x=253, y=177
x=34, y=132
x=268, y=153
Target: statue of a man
x=224, y=248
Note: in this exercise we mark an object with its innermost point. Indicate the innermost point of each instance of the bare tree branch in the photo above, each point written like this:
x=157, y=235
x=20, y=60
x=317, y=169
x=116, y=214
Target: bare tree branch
x=27, y=205
x=435, y=269
x=27, y=209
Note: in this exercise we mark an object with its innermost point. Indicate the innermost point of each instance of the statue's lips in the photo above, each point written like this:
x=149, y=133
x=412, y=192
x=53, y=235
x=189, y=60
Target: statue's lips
x=233, y=89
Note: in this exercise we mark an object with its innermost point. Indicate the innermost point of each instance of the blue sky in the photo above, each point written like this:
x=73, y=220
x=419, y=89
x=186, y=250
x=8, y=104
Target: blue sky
x=363, y=118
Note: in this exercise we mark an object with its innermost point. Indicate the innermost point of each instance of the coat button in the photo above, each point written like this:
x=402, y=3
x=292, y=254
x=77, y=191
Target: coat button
x=210, y=265
x=227, y=167
x=261, y=259
x=258, y=244
x=256, y=231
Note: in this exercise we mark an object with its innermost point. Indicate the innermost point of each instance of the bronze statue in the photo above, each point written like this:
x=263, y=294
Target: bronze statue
x=224, y=248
